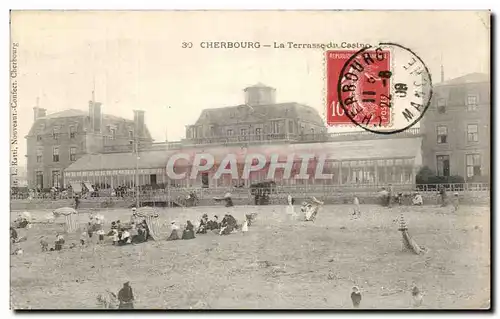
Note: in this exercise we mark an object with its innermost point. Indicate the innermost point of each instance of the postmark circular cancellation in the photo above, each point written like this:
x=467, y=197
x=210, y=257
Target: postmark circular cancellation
x=385, y=82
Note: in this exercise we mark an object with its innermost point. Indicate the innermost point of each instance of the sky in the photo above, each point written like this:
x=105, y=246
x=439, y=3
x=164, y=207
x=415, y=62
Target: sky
x=135, y=60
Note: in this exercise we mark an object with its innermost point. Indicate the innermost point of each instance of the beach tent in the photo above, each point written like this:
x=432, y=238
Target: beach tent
x=151, y=217
x=88, y=186
x=76, y=187
x=70, y=216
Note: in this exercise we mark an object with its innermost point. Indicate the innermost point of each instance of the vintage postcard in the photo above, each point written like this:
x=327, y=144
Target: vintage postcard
x=250, y=160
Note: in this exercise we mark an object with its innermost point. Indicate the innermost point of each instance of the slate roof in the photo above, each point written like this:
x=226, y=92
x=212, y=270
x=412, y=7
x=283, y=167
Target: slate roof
x=68, y=113
x=467, y=79
x=345, y=150
x=245, y=113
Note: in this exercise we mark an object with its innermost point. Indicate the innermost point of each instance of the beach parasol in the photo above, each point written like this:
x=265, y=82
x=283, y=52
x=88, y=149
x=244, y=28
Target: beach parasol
x=64, y=211
x=68, y=212
x=146, y=212
x=150, y=215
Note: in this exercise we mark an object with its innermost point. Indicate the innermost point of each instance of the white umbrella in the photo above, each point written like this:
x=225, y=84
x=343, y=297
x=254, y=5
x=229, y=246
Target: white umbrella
x=64, y=211
x=146, y=212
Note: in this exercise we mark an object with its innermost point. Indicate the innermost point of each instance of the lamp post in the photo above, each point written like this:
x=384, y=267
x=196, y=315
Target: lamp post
x=136, y=143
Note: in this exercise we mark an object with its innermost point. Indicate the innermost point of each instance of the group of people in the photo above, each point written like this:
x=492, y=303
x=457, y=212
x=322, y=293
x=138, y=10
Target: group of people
x=135, y=232
x=228, y=225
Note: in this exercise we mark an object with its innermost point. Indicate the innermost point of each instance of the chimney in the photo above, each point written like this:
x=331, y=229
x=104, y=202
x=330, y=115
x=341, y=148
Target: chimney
x=42, y=112
x=138, y=123
x=91, y=115
x=39, y=112
x=95, y=116
x=35, y=113
x=260, y=94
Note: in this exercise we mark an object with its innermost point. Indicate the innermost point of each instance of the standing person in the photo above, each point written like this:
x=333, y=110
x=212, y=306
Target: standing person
x=83, y=238
x=244, y=228
x=356, y=297
x=134, y=216
x=391, y=194
x=357, y=211
x=114, y=234
x=90, y=229
x=290, y=210
x=417, y=297
x=456, y=201
x=126, y=297
x=442, y=193
x=100, y=232
x=77, y=202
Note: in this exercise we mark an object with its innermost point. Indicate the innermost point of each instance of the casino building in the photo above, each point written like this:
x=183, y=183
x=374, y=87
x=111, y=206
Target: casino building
x=262, y=126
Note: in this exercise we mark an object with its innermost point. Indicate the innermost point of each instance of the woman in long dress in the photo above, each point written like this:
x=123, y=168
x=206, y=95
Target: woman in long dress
x=244, y=227
x=290, y=210
x=173, y=235
x=188, y=232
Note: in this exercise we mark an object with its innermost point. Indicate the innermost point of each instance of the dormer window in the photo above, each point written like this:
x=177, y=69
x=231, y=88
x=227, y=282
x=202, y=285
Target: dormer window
x=441, y=105
x=55, y=133
x=72, y=131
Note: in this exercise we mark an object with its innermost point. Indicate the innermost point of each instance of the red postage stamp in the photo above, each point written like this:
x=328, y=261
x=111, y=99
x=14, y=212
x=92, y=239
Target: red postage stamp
x=375, y=88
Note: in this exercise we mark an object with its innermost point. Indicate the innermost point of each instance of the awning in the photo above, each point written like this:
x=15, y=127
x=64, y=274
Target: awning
x=89, y=186
x=76, y=186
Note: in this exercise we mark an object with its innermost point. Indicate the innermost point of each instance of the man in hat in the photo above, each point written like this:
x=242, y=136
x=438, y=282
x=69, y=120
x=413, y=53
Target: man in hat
x=126, y=297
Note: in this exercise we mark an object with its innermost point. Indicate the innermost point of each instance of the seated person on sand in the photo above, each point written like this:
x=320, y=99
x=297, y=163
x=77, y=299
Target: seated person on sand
x=384, y=197
x=21, y=222
x=417, y=200
x=174, y=234
x=228, y=225
x=188, y=232
x=202, y=229
x=214, y=223
x=13, y=235
x=125, y=237
x=59, y=242
x=43, y=244
x=311, y=208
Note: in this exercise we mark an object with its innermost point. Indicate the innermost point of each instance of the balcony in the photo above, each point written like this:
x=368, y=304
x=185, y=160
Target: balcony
x=297, y=138
x=262, y=139
x=146, y=147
